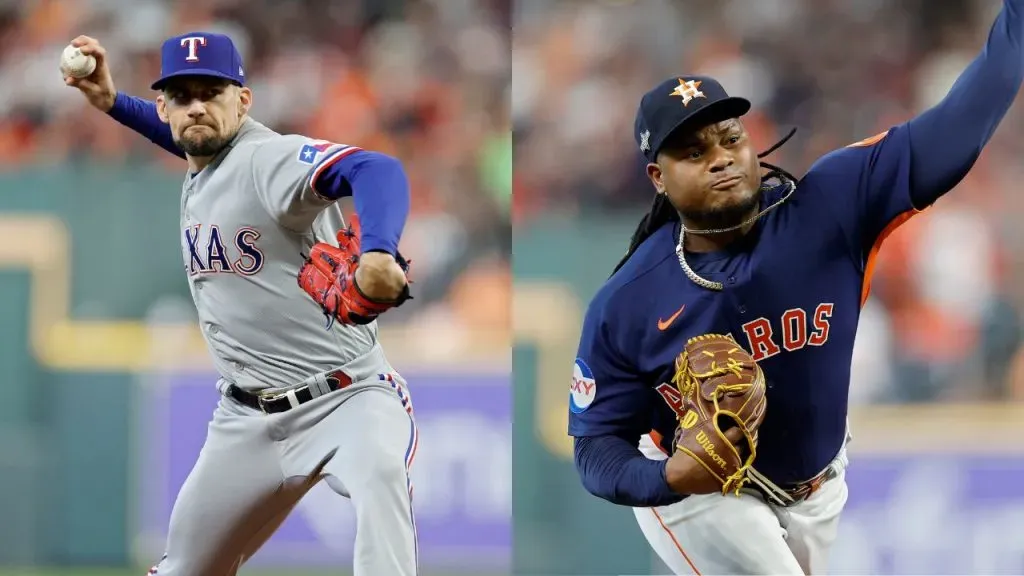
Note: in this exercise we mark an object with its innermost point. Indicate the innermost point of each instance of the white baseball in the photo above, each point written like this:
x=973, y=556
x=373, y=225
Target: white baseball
x=75, y=64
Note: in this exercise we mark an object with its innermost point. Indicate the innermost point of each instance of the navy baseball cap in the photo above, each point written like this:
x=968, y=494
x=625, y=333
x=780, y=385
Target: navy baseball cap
x=200, y=54
x=691, y=100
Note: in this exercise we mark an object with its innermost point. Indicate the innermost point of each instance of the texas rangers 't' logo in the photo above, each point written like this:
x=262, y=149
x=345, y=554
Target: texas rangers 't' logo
x=193, y=43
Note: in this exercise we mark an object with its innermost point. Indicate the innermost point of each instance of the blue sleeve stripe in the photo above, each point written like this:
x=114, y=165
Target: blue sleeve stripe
x=326, y=162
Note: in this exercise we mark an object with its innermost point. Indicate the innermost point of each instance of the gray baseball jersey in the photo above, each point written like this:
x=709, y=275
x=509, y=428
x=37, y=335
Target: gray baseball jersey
x=246, y=221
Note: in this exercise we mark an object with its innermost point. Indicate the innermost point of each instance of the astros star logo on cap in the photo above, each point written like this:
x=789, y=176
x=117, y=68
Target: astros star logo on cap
x=688, y=90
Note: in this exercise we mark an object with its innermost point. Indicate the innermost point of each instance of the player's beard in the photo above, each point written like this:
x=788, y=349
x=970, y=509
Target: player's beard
x=722, y=216
x=201, y=145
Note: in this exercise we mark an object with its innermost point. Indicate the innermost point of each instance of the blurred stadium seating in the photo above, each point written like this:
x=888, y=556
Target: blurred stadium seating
x=98, y=336
x=939, y=355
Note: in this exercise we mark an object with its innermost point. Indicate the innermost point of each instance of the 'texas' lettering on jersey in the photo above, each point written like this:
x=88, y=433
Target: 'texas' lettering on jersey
x=209, y=250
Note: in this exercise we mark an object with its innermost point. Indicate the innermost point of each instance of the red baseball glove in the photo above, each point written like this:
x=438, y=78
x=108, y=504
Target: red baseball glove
x=329, y=276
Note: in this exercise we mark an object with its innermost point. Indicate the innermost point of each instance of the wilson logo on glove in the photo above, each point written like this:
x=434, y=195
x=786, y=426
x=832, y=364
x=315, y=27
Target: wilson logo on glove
x=720, y=386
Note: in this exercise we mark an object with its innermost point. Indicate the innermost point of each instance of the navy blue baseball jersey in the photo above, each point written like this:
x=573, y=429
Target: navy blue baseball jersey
x=793, y=292
x=793, y=287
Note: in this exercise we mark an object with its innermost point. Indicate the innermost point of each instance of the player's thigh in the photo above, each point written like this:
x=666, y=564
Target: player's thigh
x=276, y=509
x=375, y=437
x=715, y=534
x=232, y=489
x=812, y=525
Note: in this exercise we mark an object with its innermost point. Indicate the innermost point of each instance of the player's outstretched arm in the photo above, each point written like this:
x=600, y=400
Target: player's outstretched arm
x=135, y=113
x=874, y=185
x=946, y=140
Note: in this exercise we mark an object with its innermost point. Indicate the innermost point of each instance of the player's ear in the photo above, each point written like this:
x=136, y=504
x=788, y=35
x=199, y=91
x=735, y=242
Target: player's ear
x=161, y=108
x=244, y=100
x=655, y=174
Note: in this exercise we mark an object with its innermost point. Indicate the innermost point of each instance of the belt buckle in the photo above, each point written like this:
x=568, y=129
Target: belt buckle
x=805, y=489
x=337, y=379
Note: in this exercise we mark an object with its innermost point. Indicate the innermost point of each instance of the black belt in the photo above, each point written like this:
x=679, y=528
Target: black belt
x=279, y=402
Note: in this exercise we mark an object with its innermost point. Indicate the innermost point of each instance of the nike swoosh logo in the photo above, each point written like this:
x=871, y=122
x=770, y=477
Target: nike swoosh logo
x=664, y=324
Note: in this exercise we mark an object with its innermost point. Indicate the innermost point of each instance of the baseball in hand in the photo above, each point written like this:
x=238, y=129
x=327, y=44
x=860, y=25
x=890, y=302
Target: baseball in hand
x=75, y=64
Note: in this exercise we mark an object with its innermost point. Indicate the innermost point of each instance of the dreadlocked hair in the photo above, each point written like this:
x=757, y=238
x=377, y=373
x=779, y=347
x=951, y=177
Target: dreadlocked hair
x=662, y=212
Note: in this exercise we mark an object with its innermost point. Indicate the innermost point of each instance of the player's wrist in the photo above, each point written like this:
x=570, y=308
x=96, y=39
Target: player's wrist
x=111, y=101
x=379, y=277
x=675, y=473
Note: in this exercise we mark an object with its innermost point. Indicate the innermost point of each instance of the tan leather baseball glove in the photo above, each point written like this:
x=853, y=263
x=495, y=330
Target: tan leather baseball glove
x=721, y=386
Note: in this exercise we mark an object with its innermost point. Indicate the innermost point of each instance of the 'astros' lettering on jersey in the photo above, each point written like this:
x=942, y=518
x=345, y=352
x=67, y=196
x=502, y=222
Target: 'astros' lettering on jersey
x=245, y=221
x=793, y=290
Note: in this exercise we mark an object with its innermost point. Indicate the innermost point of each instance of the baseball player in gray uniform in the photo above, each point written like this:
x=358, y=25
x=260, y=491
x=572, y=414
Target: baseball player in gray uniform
x=302, y=399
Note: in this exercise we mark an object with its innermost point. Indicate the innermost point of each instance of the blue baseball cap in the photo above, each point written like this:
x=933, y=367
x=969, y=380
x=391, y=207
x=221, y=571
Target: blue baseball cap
x=200, y=54
x=693, y=101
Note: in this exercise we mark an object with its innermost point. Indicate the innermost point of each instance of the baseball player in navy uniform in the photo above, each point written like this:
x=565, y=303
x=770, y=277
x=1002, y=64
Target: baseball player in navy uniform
x=783, y=266
x=303, y=399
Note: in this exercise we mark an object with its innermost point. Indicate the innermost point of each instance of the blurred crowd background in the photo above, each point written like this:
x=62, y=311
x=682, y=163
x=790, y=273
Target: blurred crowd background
x=108, y=386
x=425, y=80
x=944, y=321
x=431, y=81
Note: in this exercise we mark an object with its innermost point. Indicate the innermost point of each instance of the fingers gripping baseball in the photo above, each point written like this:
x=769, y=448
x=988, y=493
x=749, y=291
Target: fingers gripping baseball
x=98, y=87
x=329, y=277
